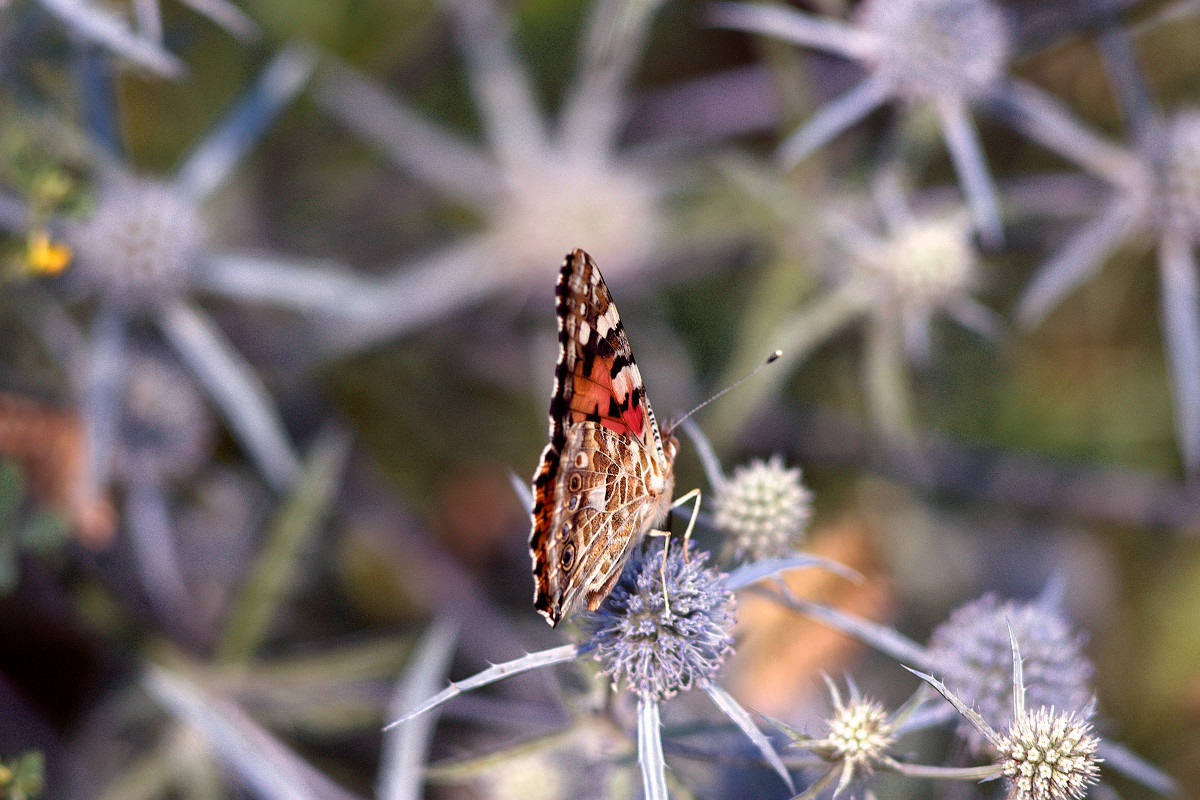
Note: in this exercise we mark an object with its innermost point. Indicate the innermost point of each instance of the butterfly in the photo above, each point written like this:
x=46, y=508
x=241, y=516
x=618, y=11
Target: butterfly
x=606, y=478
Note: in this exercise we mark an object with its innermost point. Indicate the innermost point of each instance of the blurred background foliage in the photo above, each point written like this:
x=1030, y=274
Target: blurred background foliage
x=1040, y=452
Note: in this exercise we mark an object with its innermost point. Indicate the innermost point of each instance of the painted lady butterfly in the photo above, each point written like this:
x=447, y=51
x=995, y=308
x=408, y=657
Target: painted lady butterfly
x=606, y=477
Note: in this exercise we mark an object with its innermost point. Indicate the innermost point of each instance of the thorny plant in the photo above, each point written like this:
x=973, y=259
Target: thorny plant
x=653, y=649
x=533, y=183
x=1019, y=684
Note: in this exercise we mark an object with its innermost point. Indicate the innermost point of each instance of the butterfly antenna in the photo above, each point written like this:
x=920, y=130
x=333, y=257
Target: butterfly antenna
x=770, y=359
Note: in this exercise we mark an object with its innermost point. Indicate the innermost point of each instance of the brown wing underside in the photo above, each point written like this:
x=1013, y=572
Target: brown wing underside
x=601, y=512
x=598, y=411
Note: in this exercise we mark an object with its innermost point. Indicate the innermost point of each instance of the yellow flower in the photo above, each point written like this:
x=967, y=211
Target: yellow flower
x=46, y=256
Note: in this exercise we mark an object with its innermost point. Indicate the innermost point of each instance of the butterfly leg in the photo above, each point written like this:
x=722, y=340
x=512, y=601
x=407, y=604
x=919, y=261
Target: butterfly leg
x=663, y=569
x=694, y=496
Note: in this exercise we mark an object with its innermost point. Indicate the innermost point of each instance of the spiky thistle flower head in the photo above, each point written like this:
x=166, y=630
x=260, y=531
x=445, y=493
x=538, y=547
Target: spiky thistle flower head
x=924, y=263
x=972, y=653
x=763, y=508
x=860, y=732
x=658, y=649
x=1181, y=174
x=166, y=429
x=606, y=204
x=141, y=243
x=1049, y=755
x=936, y=48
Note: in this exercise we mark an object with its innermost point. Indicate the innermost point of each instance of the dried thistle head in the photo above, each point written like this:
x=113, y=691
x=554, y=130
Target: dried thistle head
x=937, y=48
x=1049, y=755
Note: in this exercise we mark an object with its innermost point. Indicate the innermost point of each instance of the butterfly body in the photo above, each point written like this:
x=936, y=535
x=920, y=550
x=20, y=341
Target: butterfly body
x=606, y=478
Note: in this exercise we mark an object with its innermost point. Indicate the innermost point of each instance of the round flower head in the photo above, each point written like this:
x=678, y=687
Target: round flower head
x=938, y=48
x=1181, y=175
x=859, y=733
x=166, y=429
x=575, y=200
x=926, y=263
x=1049, y=756
x=971, y=652
x=763, y=508
x=140, y=244
x=655, y=649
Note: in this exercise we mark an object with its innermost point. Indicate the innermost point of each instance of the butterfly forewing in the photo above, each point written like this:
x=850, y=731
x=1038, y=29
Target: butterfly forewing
x=605, y=478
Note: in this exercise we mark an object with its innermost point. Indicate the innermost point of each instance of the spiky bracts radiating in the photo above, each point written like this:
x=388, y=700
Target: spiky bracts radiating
x=763, y=508
x=658, y=650
x=971, y=653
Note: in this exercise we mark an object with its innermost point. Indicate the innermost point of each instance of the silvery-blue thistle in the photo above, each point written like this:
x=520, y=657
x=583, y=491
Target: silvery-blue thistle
x=141, y=245
x=763, y=508
x=971, y=653
x=948, y=55
x=143, y=252
x=1043, y=753
x=927, y=49
x=656, y=645
x=532, y=183
x=656, y=649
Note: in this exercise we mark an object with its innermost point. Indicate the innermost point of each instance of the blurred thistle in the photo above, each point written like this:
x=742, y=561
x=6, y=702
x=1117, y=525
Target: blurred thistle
x=532, y=185
x=923, y=263
x=971, y=653
x=654, y=652
x=166, y=430
x=1157, y=196
x=763, y=508
x=1043, y=754
x=141, y=246
x=973, y=649
x=140, y=38
x=144, y=251
x=949, y=54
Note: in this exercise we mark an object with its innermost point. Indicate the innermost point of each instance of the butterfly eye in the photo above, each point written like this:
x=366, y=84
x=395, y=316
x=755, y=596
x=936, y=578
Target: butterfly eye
x=576, y=483
x=568, y=557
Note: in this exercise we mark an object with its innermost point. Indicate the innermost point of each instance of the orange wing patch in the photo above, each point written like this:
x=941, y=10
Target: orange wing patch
x=597, y=396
